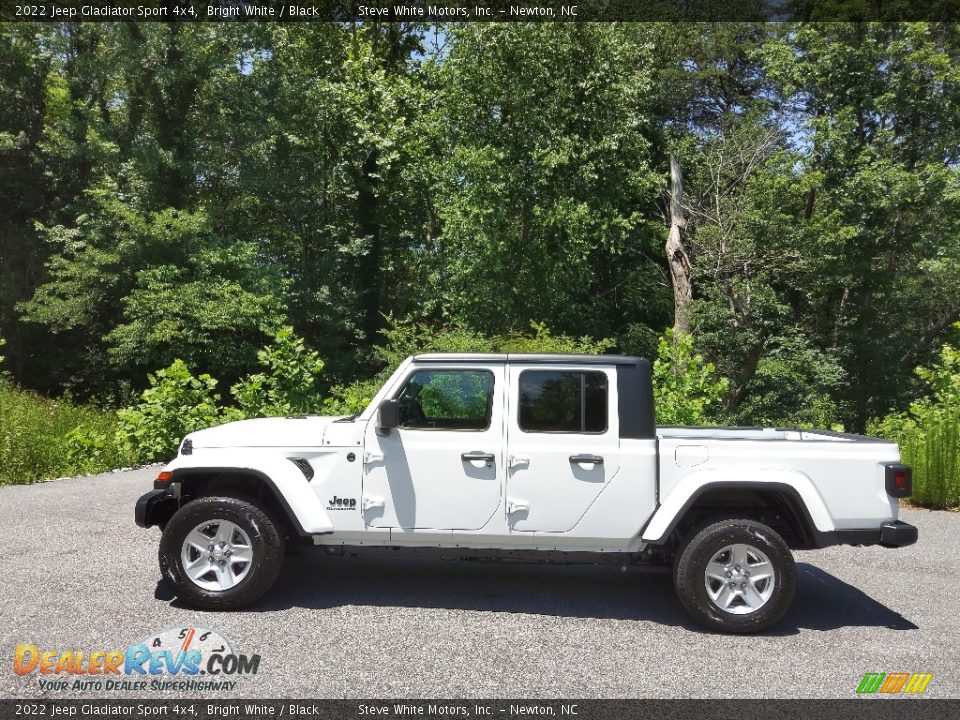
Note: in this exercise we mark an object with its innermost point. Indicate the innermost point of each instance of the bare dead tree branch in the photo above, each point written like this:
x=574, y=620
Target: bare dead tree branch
x=676, y=251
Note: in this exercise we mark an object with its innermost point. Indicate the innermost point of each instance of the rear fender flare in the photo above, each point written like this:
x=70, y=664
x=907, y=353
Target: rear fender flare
x=685, y=494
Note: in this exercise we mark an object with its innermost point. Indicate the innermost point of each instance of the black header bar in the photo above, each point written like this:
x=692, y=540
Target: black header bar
x=477, y=10
x=226, y=708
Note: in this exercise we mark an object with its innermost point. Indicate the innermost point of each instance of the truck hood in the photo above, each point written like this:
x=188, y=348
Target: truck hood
x=300, y=431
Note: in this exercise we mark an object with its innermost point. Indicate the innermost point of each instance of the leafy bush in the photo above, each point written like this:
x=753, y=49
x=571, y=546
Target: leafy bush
x=176, y=403
x=353, y=398
x=38, y=438
x=685, y=387
x=290, y=384
x=407, y=337
x=929, y=434
x=795, y=385
x=95, y=448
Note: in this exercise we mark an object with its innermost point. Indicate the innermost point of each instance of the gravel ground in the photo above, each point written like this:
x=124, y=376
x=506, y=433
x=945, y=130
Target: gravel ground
x=78, y=574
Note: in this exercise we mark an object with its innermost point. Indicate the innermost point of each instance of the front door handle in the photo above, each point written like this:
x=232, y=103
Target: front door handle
x=477, y=455
x=592, y=459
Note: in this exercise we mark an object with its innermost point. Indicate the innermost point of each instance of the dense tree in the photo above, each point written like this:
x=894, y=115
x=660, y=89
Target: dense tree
x=545, y=180
x=184, y=191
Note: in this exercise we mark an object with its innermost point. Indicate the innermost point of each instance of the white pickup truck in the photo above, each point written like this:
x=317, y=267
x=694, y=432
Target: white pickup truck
x=552, y=457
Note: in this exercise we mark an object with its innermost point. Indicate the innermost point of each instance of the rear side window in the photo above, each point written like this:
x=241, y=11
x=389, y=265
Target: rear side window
x=447, y=400
x=573, y=401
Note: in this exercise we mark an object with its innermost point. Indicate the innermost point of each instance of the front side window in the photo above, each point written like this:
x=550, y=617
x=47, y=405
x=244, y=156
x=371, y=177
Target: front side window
x=447, y=400
x=563, y=401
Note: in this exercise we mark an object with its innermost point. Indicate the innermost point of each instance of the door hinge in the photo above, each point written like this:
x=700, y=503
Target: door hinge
x=517, y=460
x=371, y=501
x=517, y=506
x=372, y=457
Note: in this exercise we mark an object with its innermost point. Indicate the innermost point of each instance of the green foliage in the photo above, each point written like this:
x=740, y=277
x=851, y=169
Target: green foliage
x=351, y=399
x=929, y=434
x=181, y=191
x=98, y=447
x=175, y=404
x=794, y=385
x=406, y=337
x=178, y=402
x=40, y=438
x=686, y=388
x=543, y=160
x=210, y=309
x=944, y=378
x=409, y=337
x=290, y=384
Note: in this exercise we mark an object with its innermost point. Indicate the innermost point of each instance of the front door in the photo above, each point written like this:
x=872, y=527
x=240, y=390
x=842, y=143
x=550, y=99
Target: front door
x=442, y=469
x=563, y=443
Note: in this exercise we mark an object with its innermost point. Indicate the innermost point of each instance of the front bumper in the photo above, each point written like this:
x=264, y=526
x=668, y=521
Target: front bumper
x=155, y=508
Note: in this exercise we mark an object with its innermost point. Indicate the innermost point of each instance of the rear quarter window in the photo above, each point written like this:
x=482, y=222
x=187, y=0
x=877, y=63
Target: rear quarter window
x=563, y=401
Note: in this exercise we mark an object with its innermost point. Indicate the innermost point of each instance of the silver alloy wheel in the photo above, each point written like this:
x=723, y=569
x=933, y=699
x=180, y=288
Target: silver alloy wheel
x=739, y=579
x=216, y=555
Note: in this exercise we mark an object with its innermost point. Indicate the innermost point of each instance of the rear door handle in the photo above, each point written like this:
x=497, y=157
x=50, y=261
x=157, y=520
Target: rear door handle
x=477, y=455
x=592, y=459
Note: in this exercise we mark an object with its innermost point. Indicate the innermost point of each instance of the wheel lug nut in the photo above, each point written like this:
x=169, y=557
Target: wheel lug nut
x=210, y=547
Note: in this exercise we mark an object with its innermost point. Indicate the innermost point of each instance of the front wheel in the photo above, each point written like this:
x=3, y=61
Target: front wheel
x=220, y=553
x=735, y=576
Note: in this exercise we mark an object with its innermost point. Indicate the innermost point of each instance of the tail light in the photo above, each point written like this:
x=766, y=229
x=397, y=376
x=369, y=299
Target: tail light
x=899, y=480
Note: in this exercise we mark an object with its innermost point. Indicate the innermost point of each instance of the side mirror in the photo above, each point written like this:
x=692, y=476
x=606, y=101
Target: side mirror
x=389, y=416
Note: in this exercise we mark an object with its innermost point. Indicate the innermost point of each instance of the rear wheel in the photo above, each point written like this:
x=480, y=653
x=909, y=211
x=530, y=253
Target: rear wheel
x=735, y=576
x=221, y=553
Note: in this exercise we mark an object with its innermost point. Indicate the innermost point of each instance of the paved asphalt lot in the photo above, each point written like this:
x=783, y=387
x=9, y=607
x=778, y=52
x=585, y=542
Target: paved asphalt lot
x=77, y=573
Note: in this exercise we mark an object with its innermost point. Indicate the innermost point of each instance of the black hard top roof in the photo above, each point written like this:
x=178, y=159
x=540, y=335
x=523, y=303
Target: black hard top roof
x=556, y=358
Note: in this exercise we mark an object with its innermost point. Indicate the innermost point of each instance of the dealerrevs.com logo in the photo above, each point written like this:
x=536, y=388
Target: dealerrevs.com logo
x=182, y=659
x=901, y=683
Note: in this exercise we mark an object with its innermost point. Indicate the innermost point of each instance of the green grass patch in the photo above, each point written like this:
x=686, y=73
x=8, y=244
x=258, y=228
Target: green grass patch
x=933, y=450
x=42, y=438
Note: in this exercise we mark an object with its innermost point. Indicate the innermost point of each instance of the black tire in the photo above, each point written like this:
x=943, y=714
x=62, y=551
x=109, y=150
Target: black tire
x=266, y=543
x=704, y=545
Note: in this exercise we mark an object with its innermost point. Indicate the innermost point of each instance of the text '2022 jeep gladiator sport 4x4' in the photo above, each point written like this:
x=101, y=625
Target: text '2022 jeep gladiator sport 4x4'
x=524, y=456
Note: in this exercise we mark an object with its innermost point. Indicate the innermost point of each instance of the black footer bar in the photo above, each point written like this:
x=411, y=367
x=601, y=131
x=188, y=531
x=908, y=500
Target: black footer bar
x=572, y=709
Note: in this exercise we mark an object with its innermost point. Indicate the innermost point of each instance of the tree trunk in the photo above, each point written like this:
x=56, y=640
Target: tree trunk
x=676, y=251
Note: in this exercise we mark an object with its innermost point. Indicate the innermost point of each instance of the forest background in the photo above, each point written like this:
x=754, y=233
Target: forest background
x=204, y=222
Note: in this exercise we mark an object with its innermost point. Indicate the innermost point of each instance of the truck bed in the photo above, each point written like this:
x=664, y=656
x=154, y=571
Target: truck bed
x=688, y=432
x=845, y=470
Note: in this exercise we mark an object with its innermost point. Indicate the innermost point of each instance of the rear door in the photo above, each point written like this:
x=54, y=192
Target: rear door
x=563, y=443
x=442, y=469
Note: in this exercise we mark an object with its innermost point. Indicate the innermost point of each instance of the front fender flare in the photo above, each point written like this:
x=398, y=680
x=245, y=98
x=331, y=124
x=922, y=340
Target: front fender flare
x=685, y=494
x=291, y=488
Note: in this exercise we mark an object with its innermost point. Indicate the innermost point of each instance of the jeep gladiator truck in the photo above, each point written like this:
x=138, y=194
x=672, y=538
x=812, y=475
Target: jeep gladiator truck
x=531, y=457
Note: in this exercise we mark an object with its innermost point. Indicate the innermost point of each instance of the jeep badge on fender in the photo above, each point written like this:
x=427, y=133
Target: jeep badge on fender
x=338, y=503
